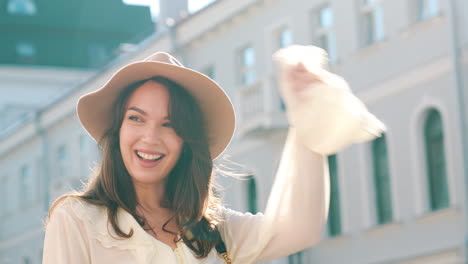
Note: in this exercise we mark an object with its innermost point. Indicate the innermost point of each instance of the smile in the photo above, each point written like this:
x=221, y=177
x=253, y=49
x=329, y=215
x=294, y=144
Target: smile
x=149, y=157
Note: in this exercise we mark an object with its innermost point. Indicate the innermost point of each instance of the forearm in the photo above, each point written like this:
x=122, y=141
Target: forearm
x=298, y=205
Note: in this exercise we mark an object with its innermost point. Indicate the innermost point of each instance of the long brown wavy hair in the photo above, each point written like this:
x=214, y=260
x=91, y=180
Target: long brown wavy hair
x=189, y=187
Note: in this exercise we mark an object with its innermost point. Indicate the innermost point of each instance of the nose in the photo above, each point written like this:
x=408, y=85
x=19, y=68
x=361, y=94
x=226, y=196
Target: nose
x=152, y=135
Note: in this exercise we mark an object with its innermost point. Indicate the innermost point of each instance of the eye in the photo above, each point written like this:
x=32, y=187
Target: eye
x=135, y=118
x=167, y=124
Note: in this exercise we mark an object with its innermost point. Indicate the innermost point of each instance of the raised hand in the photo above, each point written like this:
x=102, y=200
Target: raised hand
x=300, y=78
x=321, y=106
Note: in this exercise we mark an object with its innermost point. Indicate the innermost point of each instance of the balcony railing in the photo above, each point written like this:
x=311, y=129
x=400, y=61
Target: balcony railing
x=259, y=107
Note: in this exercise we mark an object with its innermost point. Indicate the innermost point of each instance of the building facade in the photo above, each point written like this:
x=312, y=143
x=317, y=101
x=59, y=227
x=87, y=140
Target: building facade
x=78, y=34
x=400, y=199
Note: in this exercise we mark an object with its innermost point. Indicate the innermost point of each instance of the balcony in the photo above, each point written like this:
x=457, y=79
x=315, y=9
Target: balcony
x=259, y=108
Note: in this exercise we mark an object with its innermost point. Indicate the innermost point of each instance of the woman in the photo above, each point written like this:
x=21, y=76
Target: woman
x=159, y=126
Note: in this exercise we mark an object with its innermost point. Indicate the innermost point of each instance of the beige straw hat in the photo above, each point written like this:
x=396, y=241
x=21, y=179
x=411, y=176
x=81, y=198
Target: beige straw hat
x=94, y=109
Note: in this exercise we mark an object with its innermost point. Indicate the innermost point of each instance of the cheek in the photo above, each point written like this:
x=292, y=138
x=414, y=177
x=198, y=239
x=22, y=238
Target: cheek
x=175, y=144
x=125, y=138
x=122, y=137
x=122, y=146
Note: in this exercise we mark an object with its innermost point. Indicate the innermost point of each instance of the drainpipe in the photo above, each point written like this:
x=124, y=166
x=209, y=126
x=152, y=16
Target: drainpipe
x=462, y=99
x=176, y=48
x=45, y=161
x=172, y=33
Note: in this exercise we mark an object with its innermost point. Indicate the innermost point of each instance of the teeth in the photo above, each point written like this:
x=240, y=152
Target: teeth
x=148, y=156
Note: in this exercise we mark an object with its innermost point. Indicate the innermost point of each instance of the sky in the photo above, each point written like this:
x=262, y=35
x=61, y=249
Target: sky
x=193, y=5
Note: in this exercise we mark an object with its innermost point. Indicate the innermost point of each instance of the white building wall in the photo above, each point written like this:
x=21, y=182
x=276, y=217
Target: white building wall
x=25, y=90
x=398, y=78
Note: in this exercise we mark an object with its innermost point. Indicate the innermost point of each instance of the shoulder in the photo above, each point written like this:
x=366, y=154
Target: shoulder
x=75, y=208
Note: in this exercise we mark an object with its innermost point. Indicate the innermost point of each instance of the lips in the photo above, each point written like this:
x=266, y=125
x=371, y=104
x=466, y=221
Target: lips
x=147, y=160
x=148, y=156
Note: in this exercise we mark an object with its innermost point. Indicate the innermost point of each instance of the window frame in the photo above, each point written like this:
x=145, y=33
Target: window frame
x=382, y=216
x=252, y=194
x=325, y=31
x=26, y=183
x=372, y=9
x=62, y=163
x=4, y=208
x=433, y=203
x=334, y=228
x=245, y=69
x=30, y=7
x=420, y=13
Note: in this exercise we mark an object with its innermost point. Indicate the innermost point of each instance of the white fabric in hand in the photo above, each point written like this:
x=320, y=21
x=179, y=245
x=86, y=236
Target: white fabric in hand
x=325, y=113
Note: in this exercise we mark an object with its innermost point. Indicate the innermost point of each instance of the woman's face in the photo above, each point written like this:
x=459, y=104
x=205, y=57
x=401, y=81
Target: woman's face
x=149, y=145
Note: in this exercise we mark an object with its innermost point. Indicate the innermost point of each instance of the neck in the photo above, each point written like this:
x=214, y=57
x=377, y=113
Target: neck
x=149, y=196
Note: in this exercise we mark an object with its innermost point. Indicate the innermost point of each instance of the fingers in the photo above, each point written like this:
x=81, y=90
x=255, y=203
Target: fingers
x=300, y=67
x=301, y=72
x=300, y=78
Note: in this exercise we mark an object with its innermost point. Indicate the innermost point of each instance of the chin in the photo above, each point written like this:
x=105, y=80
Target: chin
x=145, y=178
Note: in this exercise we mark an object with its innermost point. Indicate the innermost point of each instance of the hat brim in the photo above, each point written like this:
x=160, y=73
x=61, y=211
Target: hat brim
x=94, y=109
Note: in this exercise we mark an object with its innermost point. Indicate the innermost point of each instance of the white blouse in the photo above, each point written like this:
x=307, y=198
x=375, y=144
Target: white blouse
x=78, y=232
x=297, y=209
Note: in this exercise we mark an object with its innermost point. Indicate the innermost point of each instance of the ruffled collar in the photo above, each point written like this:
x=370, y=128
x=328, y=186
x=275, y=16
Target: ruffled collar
x=143, y=245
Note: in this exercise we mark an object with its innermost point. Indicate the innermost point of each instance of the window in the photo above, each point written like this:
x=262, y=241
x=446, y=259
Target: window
x=251, y=194
x=334, y=217
x=284, y=38
x=62, y=158
x=39, y=178
x=372, y=22
x=8, y=190
x=85, y=144
x=98, y=54
x=25, y=49
x=210, y=72
x=85, y=152
x=26, y=186
x=4, y=196
x=382, y=183
x=324, y=35
x=40, y=255
x=427, y=9
x=26, y=260
x=21, y=7
x=25, y=52
x=295, y=258
x=435, y=160
x=247, y=66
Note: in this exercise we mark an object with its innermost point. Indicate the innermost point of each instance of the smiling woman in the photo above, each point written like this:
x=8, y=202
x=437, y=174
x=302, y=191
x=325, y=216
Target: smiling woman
x=151, y=200
x=149, y=145
x=151, y=148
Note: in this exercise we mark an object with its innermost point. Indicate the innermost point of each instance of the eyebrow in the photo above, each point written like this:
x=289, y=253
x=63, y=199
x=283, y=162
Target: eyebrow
x=137, y=110
x=134, y=108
